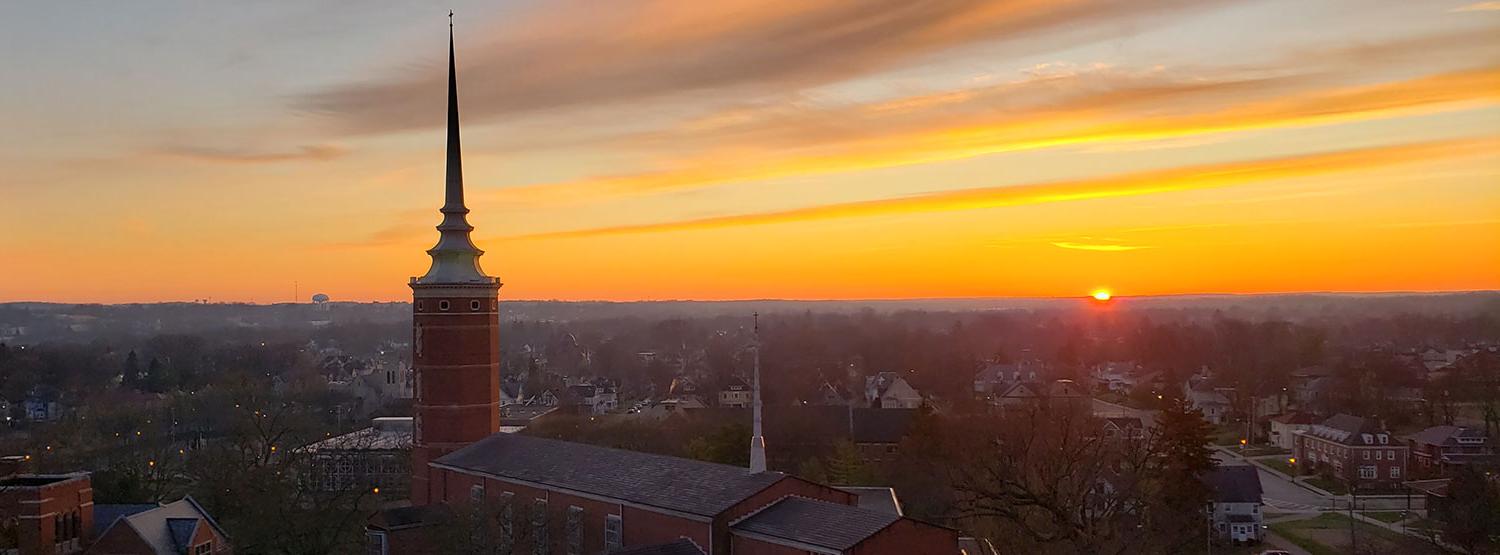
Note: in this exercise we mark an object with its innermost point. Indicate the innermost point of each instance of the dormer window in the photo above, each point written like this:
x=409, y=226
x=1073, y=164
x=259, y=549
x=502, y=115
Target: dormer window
x=1368, y=438
x=1384, y=439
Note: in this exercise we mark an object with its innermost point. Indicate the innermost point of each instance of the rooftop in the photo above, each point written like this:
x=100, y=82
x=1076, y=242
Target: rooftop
x=817, y=523
x=683, y=485
x=1235, y=484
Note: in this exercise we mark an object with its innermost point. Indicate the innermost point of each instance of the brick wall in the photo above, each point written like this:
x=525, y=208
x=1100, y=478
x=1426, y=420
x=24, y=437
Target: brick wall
x=45, y=512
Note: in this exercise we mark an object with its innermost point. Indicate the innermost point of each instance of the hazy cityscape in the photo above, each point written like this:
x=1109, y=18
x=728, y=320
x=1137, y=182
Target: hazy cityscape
x=1218, y=292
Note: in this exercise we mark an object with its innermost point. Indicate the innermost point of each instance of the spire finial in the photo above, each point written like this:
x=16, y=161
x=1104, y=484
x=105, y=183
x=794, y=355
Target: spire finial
x=450, y=20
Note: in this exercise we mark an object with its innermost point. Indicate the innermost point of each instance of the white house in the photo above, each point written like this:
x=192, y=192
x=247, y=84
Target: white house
x=1237, y=513
x=888, y=390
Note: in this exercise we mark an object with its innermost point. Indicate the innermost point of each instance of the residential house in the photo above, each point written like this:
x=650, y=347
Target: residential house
x=830, y=395
x=995, y=379
x=1284, y=427
x=1237, y=514
x=180, y=527
x=888, y=390
x=1124, y=428
x=1213, y=404
x=735, y=394
x=1356, y=451
x=1436, y=450
x=590, y=398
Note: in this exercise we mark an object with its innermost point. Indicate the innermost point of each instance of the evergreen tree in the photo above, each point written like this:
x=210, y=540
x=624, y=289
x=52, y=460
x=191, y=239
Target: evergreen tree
x=1185, y=461
x=157, y=379
x=847, y=468
x=131, y=374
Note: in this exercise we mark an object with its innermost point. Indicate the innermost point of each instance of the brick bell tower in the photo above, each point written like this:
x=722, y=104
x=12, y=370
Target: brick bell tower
x=455, y=329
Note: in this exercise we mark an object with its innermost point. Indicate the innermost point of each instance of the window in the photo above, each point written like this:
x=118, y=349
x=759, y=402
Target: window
x=476, y=493
x=474, y=306
x=613, y=526
x=419, y=306
x=375, y=544
x=1390, y=454
x=507, y=520
x=1384, y=439
x=442, y=305
x=1367, y=455
x=204, y=548
x=539, y=527
x=1367, y=472
x=575, y=530
x=1395, y=473
x=1378, y=455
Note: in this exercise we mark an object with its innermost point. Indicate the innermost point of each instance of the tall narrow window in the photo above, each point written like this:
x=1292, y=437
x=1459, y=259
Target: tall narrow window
x=507, y=521
x=575, y=530
x=614, y=529
x=539, y=527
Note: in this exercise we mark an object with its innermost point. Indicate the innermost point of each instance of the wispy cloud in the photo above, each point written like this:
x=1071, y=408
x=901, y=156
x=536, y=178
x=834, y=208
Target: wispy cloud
x=250, y=156
x=1095, y=107
x=1098, y=247
x=1177, y=179
x=564, y=54
x=1478, y=7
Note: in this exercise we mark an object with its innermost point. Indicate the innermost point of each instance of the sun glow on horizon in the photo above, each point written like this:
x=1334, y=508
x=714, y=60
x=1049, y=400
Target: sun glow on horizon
x=1102, y=295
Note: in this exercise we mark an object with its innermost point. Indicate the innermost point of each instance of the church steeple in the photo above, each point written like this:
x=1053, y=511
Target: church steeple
x=455, y=354
x=455, y=258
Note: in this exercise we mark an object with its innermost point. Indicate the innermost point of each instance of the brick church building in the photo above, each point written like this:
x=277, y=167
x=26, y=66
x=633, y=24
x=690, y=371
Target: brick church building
x=547, y=496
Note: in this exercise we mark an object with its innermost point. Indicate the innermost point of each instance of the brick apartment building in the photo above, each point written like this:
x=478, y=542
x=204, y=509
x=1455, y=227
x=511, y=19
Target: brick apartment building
x=560, y=497
x=1353, y=450
x=1436, y=451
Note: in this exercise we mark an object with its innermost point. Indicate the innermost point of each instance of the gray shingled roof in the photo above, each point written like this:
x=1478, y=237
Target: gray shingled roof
x=679, y=547
x=818, y=523
x=677, y=484
x=1235, y=484
x=106, y=514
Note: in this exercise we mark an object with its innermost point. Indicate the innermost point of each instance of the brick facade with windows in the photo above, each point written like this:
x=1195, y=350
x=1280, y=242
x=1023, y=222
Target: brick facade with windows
x=1353, y=450
x=48, y=513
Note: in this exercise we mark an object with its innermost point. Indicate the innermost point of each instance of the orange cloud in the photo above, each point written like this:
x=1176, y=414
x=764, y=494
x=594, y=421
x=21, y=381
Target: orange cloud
x=247, y=156
x=1177, y=179
x=568, y=54
x=1098, y=107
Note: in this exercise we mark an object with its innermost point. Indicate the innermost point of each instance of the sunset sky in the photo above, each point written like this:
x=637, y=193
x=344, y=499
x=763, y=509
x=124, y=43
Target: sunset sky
x=624, y=150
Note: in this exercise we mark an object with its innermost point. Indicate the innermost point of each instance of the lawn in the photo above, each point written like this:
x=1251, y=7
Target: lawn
x=1329, y=485
x=1389, y=517
x=1328, y=534
x=1280, y=464
x=1263, y=450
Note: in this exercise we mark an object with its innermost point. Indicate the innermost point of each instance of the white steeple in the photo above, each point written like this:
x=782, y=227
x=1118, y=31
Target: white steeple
x=757, y=441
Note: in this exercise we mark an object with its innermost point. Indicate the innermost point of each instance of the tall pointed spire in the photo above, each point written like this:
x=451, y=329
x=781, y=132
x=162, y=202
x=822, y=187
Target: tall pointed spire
x=455, y=180
x=455, y=258
x=757, y=441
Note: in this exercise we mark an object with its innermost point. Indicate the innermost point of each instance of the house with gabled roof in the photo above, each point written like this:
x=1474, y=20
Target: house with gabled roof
x=1237, y=513
x=177, y=528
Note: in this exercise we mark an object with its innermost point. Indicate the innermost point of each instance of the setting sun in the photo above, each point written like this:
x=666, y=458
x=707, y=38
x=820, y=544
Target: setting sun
x=1102, y=295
